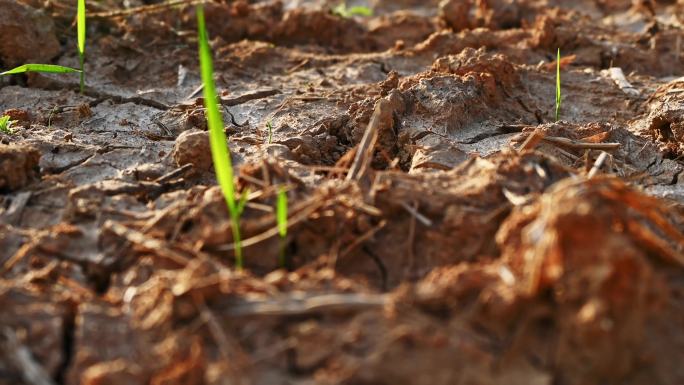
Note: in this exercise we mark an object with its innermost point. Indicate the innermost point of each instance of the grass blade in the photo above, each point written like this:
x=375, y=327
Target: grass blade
x=217, y=138
x=270, y=131
x=242, y=202
x=558, y=86
x=44, y=68
x=348, y=12
x=5, y=125
x=81, y=29
x=360, y=11
x=281, y=218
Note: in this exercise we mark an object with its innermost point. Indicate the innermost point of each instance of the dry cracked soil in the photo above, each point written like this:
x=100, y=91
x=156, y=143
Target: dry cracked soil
x=444, y=227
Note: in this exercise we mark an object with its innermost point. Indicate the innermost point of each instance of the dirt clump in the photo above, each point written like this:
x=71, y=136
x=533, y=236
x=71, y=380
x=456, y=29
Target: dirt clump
x=18, y=166
x=664, y=123
x=18, y=116
x=192, y=147
x=400, y=29
x=602, y=278
x=444, y=226
x=301, y=26
x=29, y=35
x=455, y=14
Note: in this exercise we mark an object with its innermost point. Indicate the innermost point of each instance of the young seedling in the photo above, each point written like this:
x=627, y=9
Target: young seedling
x=347, y=13
x=81, y=31
x=270, y=131
x=558, y=86
x=56, y=69
x=220, y=153
x=281, y=217
x=6, y=125
x=44, y=68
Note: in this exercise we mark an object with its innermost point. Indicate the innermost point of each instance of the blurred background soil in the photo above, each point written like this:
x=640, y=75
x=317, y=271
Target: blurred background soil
x=444, y=228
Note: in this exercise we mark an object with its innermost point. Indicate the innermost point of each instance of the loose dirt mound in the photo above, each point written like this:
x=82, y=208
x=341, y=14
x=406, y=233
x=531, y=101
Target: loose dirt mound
x=443, y=227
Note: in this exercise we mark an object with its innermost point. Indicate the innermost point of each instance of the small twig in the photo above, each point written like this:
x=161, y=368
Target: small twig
x=322, y=168
x=598, y=164
x=420, y=217
x=274, y=231
x=159, y=215
x=195, y=92
x=411, y=242
x=358, y=241
x=580, y=145
x=228, y=346
x=364, y=153
x=294, y=304
x=574, y=158
x=13, y=214
x=20, y=357
x=532, y=140
x=619, y=78
x=222, y=340
x=150, y=244
x=249, y=97
x=25, y=250
x=173, y=174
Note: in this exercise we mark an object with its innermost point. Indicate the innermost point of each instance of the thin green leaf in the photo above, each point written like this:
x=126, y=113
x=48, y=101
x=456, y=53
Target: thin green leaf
x=340, y=10
x=270, y=131
x=281, y=219
x=45, y=68
x=81, y=31
x=81, y=26
x=360, y=11
x=5, y=124
x=345, y=12
x=217, y=138
x=558, y=86
x=281, y=212
x=219, y=150
x=243, y=202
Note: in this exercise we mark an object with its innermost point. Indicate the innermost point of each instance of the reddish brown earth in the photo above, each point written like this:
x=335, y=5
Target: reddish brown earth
x=443, y=228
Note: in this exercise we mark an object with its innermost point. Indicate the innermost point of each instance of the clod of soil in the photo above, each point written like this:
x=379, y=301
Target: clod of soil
x=28, y=35
x=18, y=166
x=192, y=147
x=443, y=226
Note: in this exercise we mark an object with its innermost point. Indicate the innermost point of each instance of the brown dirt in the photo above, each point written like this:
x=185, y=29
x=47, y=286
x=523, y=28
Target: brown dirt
x=443, y=228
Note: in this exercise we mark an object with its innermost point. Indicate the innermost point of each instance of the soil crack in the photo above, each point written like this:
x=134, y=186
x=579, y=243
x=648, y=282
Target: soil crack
x=68, y=336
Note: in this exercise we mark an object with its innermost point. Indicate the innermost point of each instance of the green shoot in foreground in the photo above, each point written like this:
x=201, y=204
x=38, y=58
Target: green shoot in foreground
x=343, y=11
x=217, y=138
x=281, y=217
x=558, y=86
x=6, y=125
x=81, y=29
x=56, y=69
x=270, y=131
x=44, y=68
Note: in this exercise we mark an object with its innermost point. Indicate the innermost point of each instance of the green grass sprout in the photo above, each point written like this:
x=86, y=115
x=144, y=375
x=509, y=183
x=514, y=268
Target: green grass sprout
x=57, y=69
x=217, y=138
x=44, y=68
x=81, y=29
x=6, y=125
x=349, y=12
x=558, y=86
x=281, y=218
x=270, y=131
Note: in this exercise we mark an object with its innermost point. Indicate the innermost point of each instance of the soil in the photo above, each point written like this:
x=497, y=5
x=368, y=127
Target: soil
x=444, y=228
